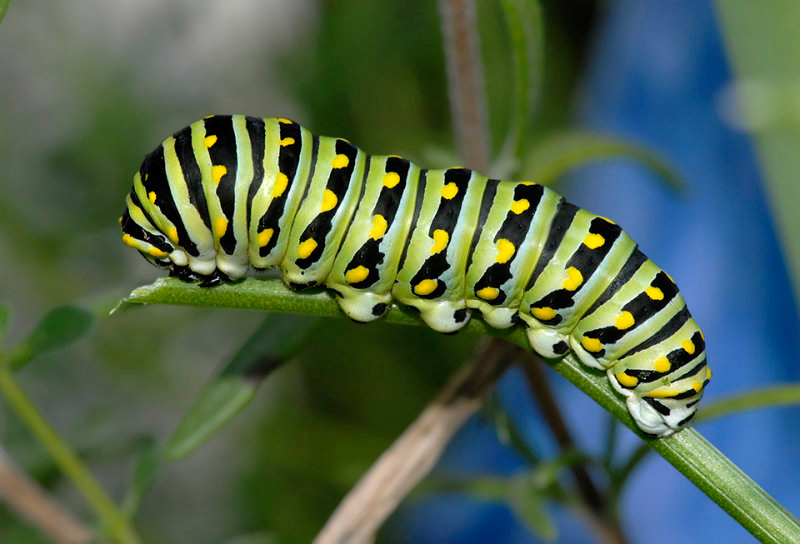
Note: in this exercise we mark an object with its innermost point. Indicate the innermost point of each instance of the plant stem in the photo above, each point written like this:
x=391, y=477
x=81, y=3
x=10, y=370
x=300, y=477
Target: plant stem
x=116, y=524
x=465, y=82
x=689, y=452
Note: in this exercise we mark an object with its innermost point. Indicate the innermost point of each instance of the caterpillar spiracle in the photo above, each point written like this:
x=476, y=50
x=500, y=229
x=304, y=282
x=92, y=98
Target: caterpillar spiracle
x=228, y=193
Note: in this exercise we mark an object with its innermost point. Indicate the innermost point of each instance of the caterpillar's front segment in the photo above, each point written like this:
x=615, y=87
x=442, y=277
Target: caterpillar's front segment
x=232, y=192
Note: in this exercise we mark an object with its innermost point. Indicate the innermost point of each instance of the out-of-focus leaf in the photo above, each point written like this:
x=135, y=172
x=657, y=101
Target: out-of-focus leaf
x=5, y=321
x=527, y=501
x=762, y=45
x=526, y=33
x=557, y=153
x=277, y=339
x=60, y=327
x=768, y=397
x=506, y=429
x=144, y=472
x=3, y=8
x=547, y=472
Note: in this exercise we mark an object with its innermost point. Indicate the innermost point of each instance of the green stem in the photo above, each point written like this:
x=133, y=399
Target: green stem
x=687, y=451
x=117, y=525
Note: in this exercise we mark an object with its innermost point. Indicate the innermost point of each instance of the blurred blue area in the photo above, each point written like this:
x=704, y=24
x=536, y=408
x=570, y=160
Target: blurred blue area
x=656, y=76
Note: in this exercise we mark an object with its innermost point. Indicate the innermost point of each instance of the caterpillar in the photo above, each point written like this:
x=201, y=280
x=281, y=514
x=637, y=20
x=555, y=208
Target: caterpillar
x=231, y=193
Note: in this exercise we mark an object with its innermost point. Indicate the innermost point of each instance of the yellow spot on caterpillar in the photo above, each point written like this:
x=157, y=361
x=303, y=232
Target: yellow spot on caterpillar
x=625, y=380
x=606, y=219
x=151, y=196
x=688, y=345
x=379, y=226
x=284, y=120
x=286, y=141
x=708, y=373
x=591, y=344
x=624, y=321
x=281, y=182
x=155, y=252
x=697, y=386
x=654, y=293
x=147, y=175
x=425, y=287
x=172, y=234
x=329, y=201
x=340, y=161
x=449, y=191
x=662, y=365
x=306, y=248
x=208, y=141
x=208, y=116
x=391, y=179
x=544, y=314
x=220, y=226
x=119, y=220
x=488, y=293
x=593, y=241
x=129, y=240
x=217, y=171
x=661, y=393
x=520, y=206
x=357, y=274
x=505, y=250
x=440, y=239
x=528, y=183
x=574, y=279
x=264, y=237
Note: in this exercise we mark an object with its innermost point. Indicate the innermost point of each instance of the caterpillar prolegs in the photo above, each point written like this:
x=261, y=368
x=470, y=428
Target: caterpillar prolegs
x=228, y=193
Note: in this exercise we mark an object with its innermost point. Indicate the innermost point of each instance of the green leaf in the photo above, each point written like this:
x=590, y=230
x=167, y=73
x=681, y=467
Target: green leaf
x=60, y=327
x=3, y=8
x=768, y=397
x=527, y=501
x=557, y=153
x=147, y=465
x=277, y=339
x=763, y=47
x=526, y=33
x=5, y=321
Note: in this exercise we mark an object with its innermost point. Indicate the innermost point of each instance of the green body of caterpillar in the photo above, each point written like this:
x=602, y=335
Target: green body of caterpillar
x=232, y=192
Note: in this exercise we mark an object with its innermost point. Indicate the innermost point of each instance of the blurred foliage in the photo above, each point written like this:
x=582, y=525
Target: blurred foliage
x=762, y=46
x=75, y=124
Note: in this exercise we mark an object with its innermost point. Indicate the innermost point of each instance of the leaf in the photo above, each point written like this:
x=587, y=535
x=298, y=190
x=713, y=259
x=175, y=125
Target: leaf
x=277, y=339
x=60, y=327
x=5, y=321
x=144, y=472
x=526, y=33
x=3, y=8
x=768, y=397
x=557, y=153
x=526, y=499
x=763, y=47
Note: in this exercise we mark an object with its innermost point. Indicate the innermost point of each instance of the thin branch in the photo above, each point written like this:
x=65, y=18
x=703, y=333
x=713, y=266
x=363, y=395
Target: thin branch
x=115, y=523
x=33, y=503
x=414, y=453
x=465, y=82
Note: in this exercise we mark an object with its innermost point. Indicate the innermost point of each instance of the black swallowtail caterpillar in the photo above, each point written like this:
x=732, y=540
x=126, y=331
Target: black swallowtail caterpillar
x=232, y=192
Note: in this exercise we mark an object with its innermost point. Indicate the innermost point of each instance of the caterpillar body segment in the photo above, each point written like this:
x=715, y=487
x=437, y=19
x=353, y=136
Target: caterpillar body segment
x=231, y=193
